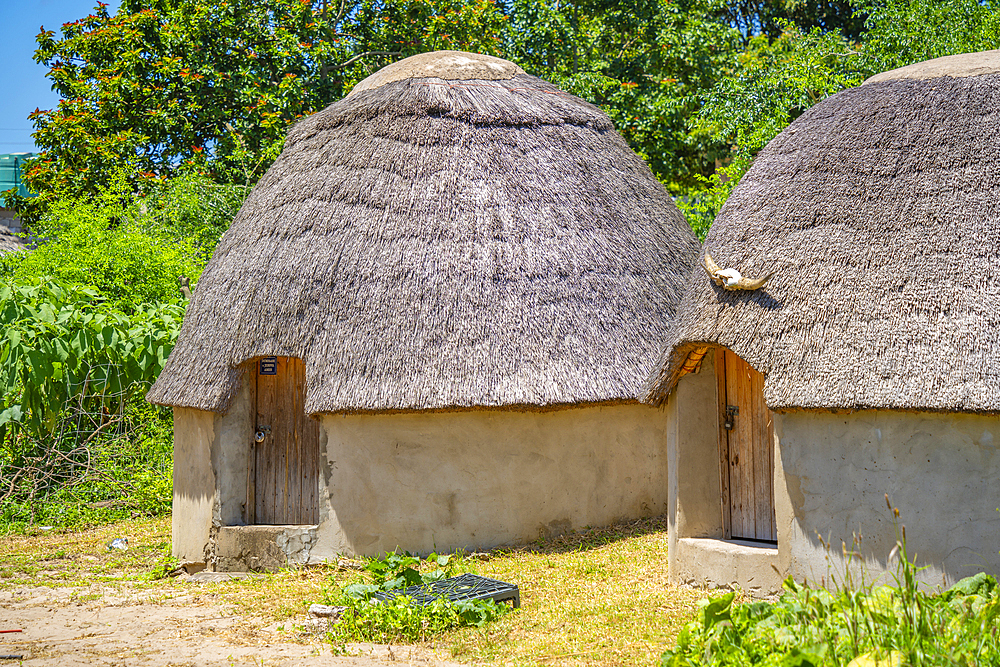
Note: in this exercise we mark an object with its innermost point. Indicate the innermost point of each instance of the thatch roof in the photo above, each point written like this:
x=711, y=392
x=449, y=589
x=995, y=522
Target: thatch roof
x=9, y=241
x=443, y=242
x=879, y=210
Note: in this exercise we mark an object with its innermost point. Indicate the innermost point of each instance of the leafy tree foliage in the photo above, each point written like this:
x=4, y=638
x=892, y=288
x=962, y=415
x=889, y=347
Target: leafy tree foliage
x=769, y=17
x=695, y=86
x=774, y=81
x=215, y=83
x=644, y=63
x=89, y=318
x=901, y=32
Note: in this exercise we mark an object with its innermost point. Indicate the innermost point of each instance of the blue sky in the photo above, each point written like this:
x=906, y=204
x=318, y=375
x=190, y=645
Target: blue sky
x=22, y=81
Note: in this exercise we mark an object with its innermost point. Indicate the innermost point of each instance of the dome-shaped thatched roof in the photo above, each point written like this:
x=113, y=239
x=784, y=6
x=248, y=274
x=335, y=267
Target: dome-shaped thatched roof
x=879, y=211
x=453, y=233
x=9, y=241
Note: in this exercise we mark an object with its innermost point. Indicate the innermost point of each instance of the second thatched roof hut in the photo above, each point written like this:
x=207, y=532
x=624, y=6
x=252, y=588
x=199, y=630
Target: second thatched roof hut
x=9, y=241
x=448, y=289
x=869, y=364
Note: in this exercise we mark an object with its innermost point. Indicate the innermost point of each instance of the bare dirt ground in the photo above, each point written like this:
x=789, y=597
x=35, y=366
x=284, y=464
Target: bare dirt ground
x=60, y=627
x=597, y=598
x=78, y=602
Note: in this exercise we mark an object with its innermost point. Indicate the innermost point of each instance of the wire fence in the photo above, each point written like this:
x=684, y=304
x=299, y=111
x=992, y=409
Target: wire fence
x=104, y=449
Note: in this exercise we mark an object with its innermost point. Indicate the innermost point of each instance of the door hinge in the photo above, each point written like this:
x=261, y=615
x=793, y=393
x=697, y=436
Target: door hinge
x=262, y=431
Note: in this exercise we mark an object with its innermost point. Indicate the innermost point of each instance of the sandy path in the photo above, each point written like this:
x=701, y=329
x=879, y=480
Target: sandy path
x=63, y=632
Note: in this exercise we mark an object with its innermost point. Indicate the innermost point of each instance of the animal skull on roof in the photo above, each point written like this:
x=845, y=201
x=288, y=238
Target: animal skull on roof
x=731, y=279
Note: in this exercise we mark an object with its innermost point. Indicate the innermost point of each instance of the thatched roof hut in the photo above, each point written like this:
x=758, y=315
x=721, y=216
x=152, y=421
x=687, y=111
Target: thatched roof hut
x=453, y=233
x=430, y=262
x=869, y=364
x=9, y=241
x=878, y=212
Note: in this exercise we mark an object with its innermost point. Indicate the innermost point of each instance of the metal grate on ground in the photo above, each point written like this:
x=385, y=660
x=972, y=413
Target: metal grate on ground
x=453, y=589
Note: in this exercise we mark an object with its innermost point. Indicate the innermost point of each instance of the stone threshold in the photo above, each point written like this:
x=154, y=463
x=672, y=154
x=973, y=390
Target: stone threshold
x=262, y=548
x=716, y=563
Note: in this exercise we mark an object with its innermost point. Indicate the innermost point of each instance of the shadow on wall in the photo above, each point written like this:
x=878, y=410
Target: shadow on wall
x=939, y=470
x=194, y=476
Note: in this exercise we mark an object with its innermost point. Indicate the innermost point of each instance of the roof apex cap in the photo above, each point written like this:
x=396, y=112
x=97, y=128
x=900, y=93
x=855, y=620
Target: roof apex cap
x=448, y=65
x=956, y=66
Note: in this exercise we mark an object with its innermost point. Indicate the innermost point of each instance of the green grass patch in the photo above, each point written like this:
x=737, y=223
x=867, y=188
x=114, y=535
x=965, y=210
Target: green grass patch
x=596, y=597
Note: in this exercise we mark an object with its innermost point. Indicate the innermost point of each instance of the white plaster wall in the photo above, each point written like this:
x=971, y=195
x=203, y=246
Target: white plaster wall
x=194, y=484
x=941, y=470
x=211, y=454
x=477, y=479
x=231, y=451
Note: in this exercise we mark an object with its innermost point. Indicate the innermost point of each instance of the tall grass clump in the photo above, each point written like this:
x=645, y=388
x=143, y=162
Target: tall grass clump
x=857, y=624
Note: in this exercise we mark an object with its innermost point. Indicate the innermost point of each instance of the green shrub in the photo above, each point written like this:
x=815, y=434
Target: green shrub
x=63, y=345
x=193, y=210
x=101, y=243
x=115, y=477
x=400, y=619
x=89, y=317
x=131, y=248
x=77, y=440
x=860, y=625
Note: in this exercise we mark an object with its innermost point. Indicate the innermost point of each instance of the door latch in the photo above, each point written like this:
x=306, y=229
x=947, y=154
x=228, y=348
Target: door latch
x=261, y=432
x=731, y=412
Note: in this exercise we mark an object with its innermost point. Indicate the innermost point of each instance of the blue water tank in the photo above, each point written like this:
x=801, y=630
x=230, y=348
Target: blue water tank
x=11, y=165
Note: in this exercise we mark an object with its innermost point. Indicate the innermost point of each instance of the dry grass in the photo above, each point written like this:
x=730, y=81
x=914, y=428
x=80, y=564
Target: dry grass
x=80, y=565
x=82, y=558
x=598, y=597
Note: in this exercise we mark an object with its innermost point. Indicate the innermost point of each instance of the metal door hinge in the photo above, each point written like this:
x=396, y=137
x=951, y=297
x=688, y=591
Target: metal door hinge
x=261, y=432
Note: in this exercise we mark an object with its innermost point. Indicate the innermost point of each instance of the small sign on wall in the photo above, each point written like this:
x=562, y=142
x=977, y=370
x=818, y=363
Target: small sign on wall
x=269, y=366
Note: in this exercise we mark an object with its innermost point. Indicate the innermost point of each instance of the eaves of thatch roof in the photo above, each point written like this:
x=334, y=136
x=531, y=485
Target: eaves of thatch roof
x=878, y=210
x=9, y=241
x=443, y=242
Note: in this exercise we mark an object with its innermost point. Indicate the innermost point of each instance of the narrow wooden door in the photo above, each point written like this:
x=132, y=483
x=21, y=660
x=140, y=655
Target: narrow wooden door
x=747, y=449
x=284, y=475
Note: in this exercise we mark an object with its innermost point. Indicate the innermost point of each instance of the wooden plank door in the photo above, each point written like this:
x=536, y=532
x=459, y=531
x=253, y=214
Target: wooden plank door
x=284, y=479
x=747, y=451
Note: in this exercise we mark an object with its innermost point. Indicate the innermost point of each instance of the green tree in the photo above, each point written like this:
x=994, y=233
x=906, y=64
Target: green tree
x=902, y=32
x=214, y=84
x=113, y=243
x=773, y=84
x=754, y=18
x=774, y=81
x=644, y=63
